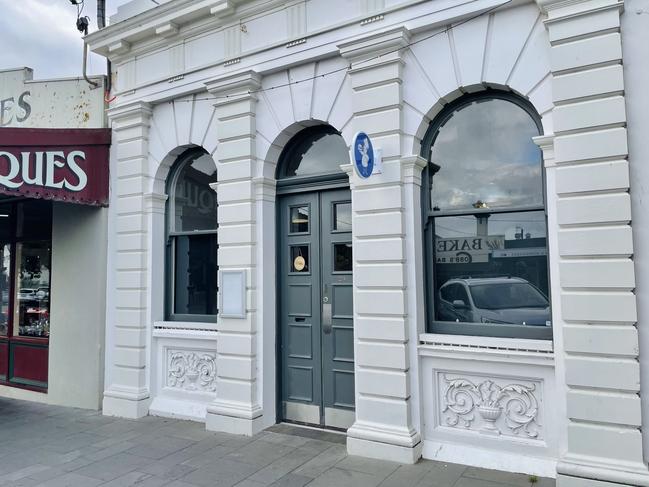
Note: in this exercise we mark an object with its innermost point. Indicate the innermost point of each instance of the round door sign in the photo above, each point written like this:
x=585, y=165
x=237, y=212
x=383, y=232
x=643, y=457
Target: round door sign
x=299, y=263
x=363, y=154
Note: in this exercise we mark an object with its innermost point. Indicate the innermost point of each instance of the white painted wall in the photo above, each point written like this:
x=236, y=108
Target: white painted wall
x=635, y=39
x=76, y=354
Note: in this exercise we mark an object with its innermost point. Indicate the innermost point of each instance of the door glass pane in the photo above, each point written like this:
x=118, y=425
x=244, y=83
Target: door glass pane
x=5, y=281
x=32, y=308
x=299, y=219
x=195, y=284
x=299, y=258
x=343, y=257
x=492, y=269
x=343, y=217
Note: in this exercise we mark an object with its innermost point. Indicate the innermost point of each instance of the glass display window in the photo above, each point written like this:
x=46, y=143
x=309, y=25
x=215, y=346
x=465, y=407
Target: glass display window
x=486, y=229
x=192, y=242
x=25, y=285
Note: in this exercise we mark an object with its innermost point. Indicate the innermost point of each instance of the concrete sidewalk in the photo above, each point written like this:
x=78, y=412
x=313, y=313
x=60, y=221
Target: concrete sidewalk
x=56, y=447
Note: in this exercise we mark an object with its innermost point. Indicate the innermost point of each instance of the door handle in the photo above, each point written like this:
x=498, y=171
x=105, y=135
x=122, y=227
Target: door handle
x=326, y=311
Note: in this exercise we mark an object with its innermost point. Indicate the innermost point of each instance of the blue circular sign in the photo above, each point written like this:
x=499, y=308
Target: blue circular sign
x=363, y=153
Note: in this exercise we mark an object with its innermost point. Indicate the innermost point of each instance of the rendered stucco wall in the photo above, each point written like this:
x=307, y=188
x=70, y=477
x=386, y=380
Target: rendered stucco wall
x=76, y=361
x=635, y=39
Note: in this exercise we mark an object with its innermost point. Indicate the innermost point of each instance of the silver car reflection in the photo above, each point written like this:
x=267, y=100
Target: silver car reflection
x=500, y=300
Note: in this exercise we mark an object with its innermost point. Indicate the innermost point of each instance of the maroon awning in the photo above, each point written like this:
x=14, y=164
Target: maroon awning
x=58, y=164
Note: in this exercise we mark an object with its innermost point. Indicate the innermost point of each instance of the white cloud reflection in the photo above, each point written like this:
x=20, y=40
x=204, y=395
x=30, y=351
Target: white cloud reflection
x=486, y=154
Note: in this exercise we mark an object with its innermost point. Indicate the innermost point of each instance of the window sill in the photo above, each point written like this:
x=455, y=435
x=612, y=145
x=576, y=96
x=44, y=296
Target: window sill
x=159, y=326
x=490, y=343
x=513, y=351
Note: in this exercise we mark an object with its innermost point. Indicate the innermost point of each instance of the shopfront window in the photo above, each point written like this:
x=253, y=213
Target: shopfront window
x=486, y=232
x=192, y=239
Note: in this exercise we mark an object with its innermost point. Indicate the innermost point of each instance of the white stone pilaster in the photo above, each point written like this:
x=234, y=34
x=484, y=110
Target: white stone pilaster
x=598, y=345
x=127, y=386
x=385, y=411
x=238, y=406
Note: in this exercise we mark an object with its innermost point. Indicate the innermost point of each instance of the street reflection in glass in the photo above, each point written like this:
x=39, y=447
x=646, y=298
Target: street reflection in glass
x=492, y=268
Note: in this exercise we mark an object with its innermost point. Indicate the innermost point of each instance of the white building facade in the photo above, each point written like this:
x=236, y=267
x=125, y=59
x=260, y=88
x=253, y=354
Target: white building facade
x=471, y=301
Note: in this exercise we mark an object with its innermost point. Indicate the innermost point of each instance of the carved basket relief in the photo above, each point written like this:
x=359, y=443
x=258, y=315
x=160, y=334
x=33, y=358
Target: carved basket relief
x=495, y=406
x=191, y=371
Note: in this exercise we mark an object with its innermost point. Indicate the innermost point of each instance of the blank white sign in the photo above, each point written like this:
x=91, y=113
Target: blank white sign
x=233, y=294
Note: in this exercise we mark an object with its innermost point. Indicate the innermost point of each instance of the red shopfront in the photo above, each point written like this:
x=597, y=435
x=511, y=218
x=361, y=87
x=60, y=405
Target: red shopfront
x=37, y=168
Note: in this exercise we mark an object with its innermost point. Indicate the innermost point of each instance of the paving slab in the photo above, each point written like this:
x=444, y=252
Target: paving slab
x=46, y=446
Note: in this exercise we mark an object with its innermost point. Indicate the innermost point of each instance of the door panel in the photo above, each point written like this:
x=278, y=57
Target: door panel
x=338, y=333
x=316, y=308
x=299, y=300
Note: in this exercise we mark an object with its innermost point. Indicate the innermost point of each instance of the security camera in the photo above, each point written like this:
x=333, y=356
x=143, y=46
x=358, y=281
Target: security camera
x=82, y=25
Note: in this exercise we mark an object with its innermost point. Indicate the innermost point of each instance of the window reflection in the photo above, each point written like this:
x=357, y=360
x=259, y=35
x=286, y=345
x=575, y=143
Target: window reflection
x=194, y=201
x=196, y=275
x=492, y=269
x=192, y=270
x=316, y=150
x=5, y=281
x=343, y=217
x=32, y=295
x=487, y=158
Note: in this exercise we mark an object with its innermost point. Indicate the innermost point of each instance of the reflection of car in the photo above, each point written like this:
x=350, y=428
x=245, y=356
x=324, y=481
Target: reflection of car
x=503, y=300
x=25, y=293
x=40, y=294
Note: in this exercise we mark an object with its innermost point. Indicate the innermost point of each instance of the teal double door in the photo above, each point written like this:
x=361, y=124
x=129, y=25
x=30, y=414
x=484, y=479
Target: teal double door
x=316, y=326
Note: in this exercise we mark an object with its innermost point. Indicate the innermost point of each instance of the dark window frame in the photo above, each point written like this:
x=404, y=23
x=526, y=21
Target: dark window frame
x=171, y=237
x=429, y=216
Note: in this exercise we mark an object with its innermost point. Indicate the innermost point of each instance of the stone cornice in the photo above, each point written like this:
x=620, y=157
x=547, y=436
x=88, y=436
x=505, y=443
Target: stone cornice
x=145, y=24
x=232, y=84
x=134, y=113
x=411, y=169
x=566, y=8
x=375, y=43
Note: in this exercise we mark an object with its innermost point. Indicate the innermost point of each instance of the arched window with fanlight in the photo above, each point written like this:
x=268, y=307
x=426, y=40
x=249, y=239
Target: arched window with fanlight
x=191, y=264
x=485, y=224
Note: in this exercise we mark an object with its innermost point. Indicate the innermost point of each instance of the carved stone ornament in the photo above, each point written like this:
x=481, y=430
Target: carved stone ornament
x=516, y=403
x=191, y=371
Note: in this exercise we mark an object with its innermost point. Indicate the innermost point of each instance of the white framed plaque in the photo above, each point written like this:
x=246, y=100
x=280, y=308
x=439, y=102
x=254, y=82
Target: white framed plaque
x=232, y=290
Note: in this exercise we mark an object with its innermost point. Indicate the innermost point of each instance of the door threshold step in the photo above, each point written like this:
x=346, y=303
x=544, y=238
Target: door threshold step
x=311, y=432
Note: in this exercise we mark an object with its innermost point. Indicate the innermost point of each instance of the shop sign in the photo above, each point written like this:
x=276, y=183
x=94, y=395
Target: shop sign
x=58, y=164
x=467, y=250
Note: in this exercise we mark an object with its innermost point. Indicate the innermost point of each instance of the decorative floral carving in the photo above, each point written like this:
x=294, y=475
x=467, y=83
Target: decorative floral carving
x=463, y=397
x=191, y=371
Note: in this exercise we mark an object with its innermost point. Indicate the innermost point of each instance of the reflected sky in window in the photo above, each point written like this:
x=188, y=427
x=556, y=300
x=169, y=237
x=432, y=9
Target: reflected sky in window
x=319, y=154
x=486, y=156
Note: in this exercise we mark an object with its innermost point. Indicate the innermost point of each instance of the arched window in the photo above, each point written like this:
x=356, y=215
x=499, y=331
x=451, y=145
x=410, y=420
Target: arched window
x=314, y=151
x=191, y=270
x=486, y=233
